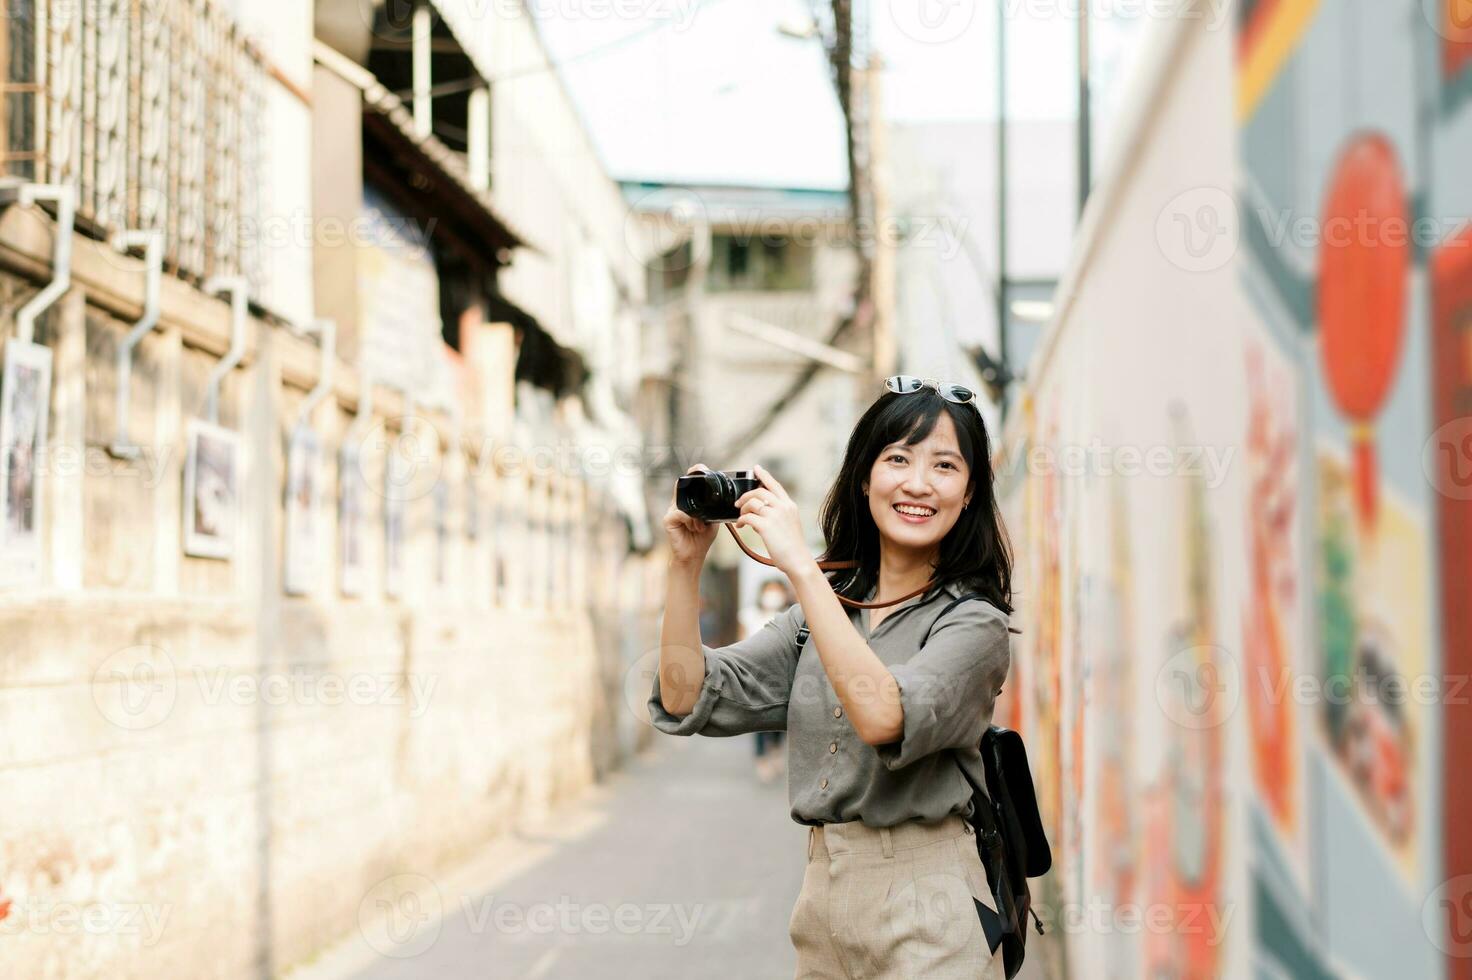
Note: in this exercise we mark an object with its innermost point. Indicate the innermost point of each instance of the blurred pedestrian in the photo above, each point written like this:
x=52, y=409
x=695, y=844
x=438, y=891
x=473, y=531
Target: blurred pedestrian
x=883, y=698
x=773, y=598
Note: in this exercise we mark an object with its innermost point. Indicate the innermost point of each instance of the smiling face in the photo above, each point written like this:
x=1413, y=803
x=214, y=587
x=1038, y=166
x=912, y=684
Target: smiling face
x=916, y=493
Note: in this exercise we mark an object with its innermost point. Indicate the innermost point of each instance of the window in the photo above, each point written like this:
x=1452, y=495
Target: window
x=766, y=264
x=459, y=107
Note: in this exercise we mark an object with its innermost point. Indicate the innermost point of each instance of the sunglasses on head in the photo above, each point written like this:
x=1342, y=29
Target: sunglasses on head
x=904, y=384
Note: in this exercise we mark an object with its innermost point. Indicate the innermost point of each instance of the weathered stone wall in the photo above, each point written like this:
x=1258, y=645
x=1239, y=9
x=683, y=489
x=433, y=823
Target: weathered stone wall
x=205, y=777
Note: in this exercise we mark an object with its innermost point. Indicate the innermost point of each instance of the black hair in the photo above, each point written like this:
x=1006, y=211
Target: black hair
x=974, y=554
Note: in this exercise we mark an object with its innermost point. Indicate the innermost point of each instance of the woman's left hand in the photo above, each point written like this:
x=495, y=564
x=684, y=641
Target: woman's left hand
x=772, y=514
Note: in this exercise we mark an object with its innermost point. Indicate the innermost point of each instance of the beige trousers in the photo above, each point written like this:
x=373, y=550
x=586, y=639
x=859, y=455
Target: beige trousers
x=893, y=903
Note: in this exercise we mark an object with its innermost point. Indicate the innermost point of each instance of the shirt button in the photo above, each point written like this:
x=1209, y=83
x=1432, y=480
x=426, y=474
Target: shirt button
x=823, y=783
x=832, y=747
x=838, y=712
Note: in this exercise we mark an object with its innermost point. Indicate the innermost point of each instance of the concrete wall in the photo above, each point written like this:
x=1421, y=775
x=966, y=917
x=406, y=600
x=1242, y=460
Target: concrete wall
x=203, y=776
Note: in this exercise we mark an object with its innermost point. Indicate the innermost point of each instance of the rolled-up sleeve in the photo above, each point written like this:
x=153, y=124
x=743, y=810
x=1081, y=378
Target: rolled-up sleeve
x=747, y=684
x=948, y=690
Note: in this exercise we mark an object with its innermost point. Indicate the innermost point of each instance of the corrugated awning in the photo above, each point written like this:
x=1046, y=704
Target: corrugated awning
x=468, y=214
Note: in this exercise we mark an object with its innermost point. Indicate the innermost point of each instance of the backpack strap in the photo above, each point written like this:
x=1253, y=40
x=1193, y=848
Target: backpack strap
x=949, y=606
x=802, y=637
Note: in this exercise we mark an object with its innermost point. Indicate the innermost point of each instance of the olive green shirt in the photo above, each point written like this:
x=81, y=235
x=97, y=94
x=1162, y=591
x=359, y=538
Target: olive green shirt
x=947, y=692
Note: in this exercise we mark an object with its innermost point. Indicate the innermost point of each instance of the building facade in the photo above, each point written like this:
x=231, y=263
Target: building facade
x=747, y=287
x=314, y=578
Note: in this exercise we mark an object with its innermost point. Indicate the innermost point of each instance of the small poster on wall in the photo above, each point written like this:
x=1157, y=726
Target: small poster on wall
x=303, y=454
x=25, y=394
x=350, y=521
x=441, y=498
x=499, y=588
x=211, y=490
x=472, y=506
x=394, y=477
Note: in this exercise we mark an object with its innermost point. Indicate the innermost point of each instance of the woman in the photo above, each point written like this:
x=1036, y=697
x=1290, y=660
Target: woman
x=881, y=706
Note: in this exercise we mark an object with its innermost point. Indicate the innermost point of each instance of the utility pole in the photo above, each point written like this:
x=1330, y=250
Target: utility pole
x=847, y=46
x=886, y=358
x=1002, y=299
x=1085, y=110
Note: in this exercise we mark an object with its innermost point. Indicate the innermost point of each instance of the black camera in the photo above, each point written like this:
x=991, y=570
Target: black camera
x=711, y=496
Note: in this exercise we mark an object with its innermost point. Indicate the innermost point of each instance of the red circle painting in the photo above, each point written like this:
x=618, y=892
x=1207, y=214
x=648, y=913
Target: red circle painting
x=1364, y=274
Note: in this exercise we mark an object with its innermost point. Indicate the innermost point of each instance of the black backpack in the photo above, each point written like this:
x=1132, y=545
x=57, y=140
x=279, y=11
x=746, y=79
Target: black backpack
x=1009, y=838
x=1011, y=842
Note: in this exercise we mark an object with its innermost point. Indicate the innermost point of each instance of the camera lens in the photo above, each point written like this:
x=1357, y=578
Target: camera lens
x=723, y=491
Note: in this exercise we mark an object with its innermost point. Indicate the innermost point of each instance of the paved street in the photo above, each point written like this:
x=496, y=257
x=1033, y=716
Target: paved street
x=690, y=870
x=682, y=866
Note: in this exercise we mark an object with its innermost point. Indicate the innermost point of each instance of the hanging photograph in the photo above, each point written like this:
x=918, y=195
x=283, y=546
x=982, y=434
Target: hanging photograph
x=500, y=589
x=394, y=476
x=302, y=457
x=25, y=394
x=441, y=495
x=472, y=506
x=211, y=490
x=350, y=521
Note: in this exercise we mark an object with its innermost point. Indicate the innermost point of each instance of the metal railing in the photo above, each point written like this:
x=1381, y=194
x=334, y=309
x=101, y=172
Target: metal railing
x=152, y=111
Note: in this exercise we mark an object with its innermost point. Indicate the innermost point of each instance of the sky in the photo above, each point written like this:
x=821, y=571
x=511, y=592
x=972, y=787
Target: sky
x=717, y=91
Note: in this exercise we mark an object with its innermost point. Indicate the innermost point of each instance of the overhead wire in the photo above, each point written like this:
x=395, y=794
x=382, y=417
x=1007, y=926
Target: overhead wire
x=476, y=81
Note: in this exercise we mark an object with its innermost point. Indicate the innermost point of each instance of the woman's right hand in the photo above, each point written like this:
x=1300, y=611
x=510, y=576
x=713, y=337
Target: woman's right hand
x=690, y=537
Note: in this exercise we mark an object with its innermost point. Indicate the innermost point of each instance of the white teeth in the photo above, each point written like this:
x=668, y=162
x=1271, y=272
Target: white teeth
x=913, y=511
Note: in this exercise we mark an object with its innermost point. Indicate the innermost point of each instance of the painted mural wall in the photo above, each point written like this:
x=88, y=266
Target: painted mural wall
x=1239, y=486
